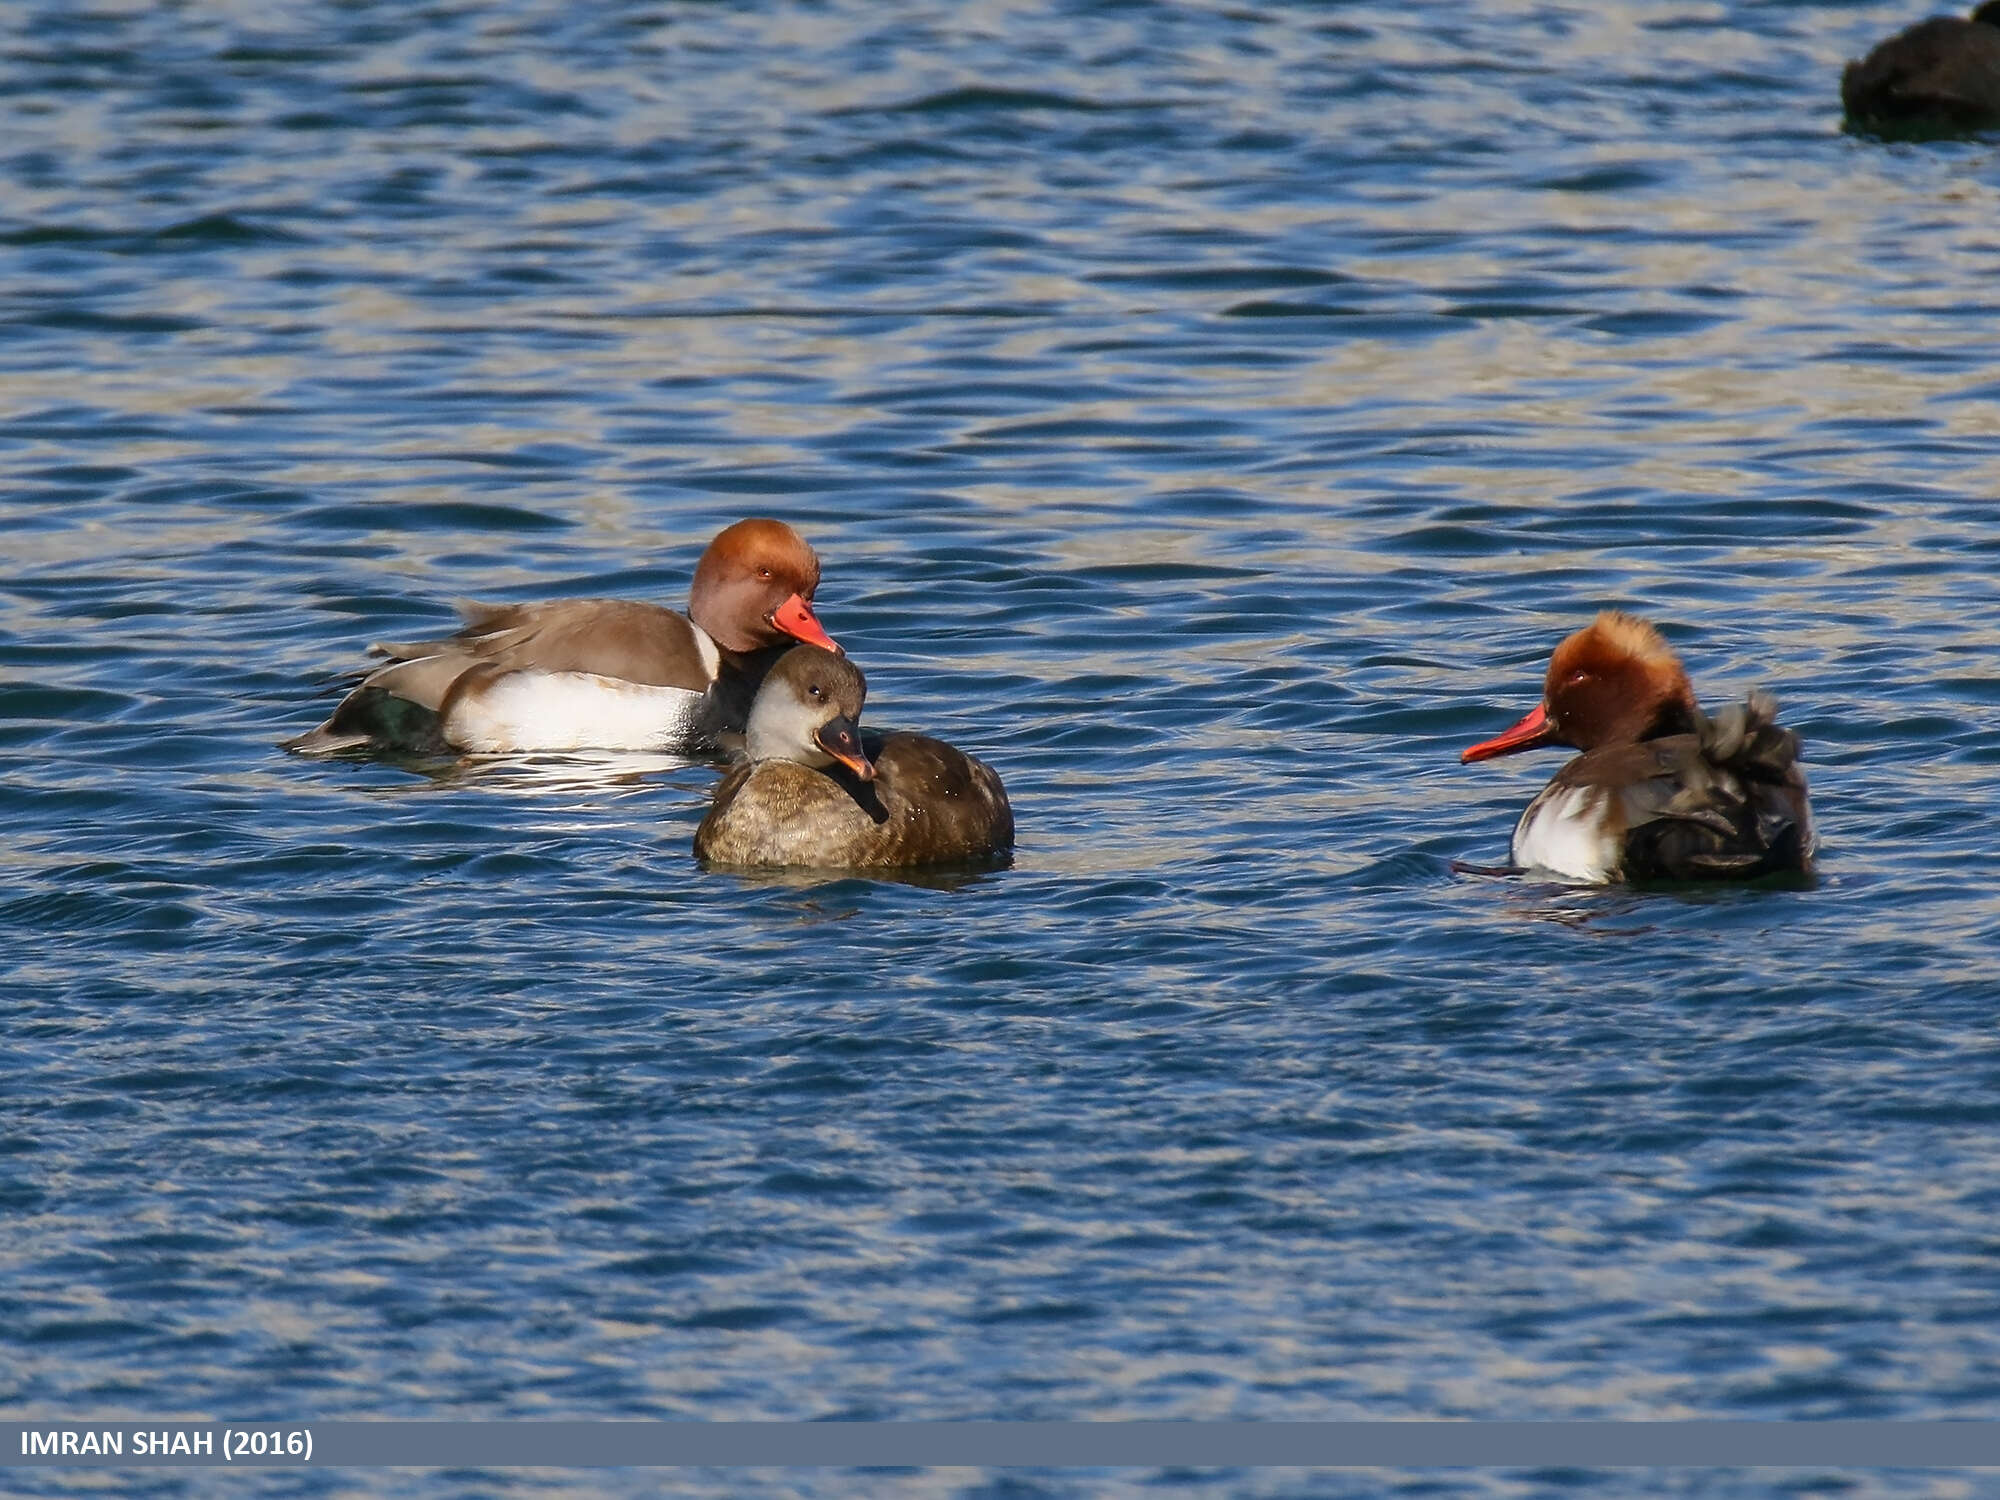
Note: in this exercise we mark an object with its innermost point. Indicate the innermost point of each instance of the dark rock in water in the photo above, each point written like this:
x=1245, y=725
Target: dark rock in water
x=1941, y=75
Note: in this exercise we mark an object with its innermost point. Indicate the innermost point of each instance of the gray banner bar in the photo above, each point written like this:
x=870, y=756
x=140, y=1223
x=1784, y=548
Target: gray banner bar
x=1414, y=1444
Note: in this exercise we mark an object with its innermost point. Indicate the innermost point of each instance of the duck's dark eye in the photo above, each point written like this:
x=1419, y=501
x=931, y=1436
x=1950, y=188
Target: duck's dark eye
x=1576, y=677
x=763, y=572
x=814, y=691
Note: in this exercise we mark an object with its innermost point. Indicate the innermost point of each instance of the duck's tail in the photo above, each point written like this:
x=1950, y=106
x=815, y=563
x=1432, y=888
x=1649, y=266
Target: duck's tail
x=1747, y=738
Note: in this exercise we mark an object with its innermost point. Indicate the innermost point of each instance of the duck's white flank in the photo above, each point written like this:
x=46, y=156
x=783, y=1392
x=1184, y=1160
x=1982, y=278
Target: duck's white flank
x=522, y=711
x=1563, y=832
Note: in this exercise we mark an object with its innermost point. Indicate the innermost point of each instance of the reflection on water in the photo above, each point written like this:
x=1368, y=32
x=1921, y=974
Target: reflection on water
x=590, y=772
x=921, y=877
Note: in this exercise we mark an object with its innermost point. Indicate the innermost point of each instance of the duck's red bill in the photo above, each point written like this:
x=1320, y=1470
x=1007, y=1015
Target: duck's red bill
x=795, y=617
x=1536, y=729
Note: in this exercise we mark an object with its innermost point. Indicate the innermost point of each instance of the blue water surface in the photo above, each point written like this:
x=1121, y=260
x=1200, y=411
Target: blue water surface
x=1210, y=415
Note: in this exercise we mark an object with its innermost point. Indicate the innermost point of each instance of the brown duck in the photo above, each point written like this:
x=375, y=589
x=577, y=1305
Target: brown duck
x=1661, y=791
x=814, y=790
x=604, y=674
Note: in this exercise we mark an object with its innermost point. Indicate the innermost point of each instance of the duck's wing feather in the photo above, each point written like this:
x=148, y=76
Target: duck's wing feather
x=942, y=804
x=621, y=638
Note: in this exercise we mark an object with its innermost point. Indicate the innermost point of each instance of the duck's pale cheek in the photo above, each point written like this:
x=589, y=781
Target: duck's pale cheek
x=522, y=711
x=1564, y=831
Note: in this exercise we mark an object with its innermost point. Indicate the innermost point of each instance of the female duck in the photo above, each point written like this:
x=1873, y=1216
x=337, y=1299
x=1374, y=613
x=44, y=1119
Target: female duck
x=815, y=791
x=1661, y=792
x=1941, y=73
x=594, y=674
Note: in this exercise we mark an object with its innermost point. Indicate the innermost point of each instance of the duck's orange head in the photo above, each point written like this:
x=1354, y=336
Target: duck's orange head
x=754, y=587
x=1614, y=682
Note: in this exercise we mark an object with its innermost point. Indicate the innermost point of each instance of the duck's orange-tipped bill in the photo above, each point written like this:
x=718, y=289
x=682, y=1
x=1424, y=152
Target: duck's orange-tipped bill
x=841, y=738
x=796, y=618
x=1536, y=729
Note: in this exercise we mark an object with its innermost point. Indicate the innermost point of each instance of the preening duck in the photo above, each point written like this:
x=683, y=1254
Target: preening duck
x=594, y=674
x=814, y=790
x=1661, y=791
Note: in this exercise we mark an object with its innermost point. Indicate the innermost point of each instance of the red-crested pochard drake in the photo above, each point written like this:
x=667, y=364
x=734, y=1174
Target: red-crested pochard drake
x=1943, y=73
x=594, y=674
x=813, y=790
x=1661, y=791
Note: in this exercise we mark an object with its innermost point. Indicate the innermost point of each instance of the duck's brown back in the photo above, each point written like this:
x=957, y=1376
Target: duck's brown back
x=622, y=638
x=929, y=804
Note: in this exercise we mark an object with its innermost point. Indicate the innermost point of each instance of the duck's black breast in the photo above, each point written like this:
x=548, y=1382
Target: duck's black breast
x=735, y=687
x=1944, y=72
x=929, y=804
